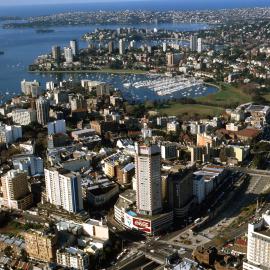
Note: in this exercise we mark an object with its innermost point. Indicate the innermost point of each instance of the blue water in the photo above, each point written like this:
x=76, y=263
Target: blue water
x=22, y=46
x=35, y=10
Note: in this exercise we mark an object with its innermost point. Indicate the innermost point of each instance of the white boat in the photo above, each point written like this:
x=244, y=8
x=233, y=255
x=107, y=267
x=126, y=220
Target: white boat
x=127, y=85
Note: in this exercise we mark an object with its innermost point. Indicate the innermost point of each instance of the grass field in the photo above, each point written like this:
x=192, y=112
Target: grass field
x=216, y=103
x=226, y=96
x=191, y=110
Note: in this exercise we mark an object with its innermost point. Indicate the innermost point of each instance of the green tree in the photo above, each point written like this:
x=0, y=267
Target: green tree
x=8, y=251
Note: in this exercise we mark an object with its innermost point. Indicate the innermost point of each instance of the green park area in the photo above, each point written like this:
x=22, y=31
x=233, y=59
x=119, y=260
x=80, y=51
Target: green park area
x=227, y=96
x=175, y=108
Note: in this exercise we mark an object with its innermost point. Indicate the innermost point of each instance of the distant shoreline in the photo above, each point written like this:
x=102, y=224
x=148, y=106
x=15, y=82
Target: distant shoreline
x=112, y=71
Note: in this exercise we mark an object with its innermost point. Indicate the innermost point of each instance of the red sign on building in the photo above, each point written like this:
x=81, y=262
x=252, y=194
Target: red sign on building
x=142, y=225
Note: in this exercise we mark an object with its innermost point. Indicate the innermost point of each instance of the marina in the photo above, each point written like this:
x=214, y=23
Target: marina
x=165, y=86
x=134, y=87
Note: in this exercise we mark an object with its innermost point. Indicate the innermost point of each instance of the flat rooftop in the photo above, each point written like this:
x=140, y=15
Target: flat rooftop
x=264, y=231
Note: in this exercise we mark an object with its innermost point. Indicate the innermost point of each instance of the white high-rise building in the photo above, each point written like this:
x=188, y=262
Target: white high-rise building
x=74, y=47
x=30, y=88
x=200, y=45
x=58, y=126
x=193, y=43
x=132, y=44
x=64, y=189
x=68, y=54
x=164, y=47
x=121, y=46
x=148, y=179
x=258, y=250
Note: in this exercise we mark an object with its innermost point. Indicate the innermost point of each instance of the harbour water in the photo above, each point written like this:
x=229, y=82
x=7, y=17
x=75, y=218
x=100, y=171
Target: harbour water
x=22, y=46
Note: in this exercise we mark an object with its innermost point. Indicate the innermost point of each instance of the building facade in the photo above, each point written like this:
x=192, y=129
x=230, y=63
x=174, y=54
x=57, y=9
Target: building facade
x=258, y=250
x=41, y=245
x=148, y=179
x=43, y=108
x=16, y=194
x=24, y=117
x=73, y=258
x=63, y=188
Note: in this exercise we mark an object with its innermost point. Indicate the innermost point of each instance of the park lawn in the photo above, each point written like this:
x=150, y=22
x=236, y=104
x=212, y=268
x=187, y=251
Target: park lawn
x=191, y=109
x=267, y=97
x=226, y=96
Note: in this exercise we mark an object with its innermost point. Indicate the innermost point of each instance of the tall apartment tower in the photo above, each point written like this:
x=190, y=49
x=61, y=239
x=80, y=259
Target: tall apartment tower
x=148, y=178
x=30, y=88
x=164, y=47
x=16, y=194
x=74, y=47
x=56, y=53
x=173, y=59
x=121, y=46
x=200, y=45
x=64, y=189
x=258, y=250
x=68, y=54
x=43, y=108
x=193, y=43
x=110, y=47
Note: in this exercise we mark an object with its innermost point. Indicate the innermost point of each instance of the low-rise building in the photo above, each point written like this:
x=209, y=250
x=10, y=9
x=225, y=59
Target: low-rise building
x=119, y=166
x=99, y=191
x=125, y=213
x=100, y=88
x=206, y=180
x=24, y=117
x=58, y=126
x=82, y=134
x=206, y=140
x=199, y=154
x=28, y=163
x=239, y=152
x=168, y=150
x=72, y=258
x=9, y=134
x=41, y=245
x=173, y=126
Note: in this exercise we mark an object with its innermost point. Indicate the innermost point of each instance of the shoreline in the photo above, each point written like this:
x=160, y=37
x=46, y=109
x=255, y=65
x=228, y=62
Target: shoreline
x=107, y=71
x=118, y=72
x=213, y=85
